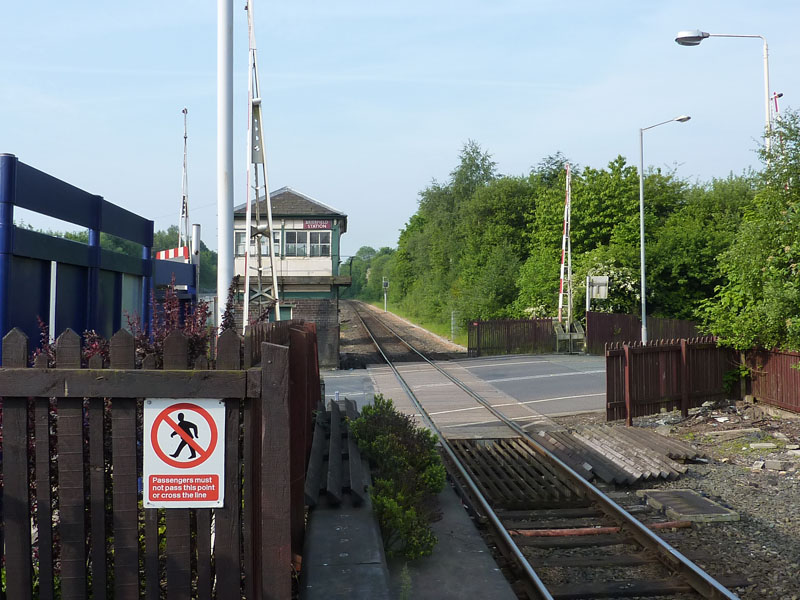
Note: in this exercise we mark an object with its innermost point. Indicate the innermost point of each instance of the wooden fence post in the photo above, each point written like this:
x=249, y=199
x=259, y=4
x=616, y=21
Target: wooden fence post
x=178, y=550
x=684, y=379
x=44, y=513
x=123, y=448
x=227, y=538
x=17, y=529
x=299, y=421
x=628, y=411
x=72, y=526
x=275, y=543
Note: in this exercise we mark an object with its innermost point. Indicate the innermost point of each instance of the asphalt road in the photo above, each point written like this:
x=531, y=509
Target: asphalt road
x=553, y=384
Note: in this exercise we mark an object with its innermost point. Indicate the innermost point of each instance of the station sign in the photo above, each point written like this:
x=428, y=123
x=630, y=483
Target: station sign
x=184, y=453
x=316, y=223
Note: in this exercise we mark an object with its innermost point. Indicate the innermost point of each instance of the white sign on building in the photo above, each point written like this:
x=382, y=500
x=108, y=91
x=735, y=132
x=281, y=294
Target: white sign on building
x=184, y=453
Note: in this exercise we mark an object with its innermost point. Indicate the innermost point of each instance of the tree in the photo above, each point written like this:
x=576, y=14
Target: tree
x=759, y=302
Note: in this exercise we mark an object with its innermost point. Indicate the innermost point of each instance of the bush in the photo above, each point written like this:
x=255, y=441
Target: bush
x=409, y=475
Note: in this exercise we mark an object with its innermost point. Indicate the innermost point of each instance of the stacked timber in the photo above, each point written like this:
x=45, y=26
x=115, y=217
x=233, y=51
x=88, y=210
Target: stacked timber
x=620, y=455
x=334, y=468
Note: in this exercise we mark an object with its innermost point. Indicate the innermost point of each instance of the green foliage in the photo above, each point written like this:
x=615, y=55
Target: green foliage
x=409, y=475
x=759, y=302
x=489, y=246
x=732, y=378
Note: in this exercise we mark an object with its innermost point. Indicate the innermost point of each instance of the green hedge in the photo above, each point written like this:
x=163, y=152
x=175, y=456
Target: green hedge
x=408, y=475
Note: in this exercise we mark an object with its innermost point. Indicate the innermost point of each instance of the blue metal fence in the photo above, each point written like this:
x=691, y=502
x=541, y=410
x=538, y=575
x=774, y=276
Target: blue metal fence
x=67, y=283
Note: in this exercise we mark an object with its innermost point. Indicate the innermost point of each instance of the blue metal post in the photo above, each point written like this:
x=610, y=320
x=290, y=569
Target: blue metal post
x=93, y=298
x=147, y=286
x=8, y=192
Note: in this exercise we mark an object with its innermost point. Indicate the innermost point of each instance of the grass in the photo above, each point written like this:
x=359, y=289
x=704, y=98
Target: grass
x=438, y=327
x=741, y=446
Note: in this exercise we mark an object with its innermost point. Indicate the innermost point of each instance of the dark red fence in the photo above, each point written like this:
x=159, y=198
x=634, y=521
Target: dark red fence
x=518, y=336
x=775, y=378
x=608, y=328
x=665, y=375
x=70, y=501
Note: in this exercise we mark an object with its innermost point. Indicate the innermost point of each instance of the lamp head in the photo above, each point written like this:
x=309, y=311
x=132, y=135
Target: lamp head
x=691, y=37
x=682, y=118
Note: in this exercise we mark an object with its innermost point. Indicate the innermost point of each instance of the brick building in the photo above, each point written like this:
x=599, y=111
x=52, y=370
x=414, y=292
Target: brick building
x=306, y=235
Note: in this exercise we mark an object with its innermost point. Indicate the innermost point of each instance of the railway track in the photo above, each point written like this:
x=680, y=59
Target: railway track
x=561, y=536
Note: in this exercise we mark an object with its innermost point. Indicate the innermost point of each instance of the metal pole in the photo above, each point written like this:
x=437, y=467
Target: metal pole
x=224, y=152
x=641, y=233
x=195, y=257
x=767, y=115
x=588, y=293
x=8, y=197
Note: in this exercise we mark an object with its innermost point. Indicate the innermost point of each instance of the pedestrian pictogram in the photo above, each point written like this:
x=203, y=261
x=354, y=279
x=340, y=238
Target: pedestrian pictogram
x=188, y=428
x=183, y=454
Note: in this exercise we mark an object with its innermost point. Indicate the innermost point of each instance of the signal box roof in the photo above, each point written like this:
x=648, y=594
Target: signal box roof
x=287, y=202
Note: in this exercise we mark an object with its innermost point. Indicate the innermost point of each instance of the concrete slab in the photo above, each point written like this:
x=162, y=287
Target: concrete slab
x=687, y=505
x=461, y=565
x=355, y=384
x=343, y=555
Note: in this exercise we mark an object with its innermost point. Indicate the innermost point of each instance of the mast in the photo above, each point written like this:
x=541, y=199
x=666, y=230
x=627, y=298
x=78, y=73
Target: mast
x=566, y=254
x=256, y=159
x=184, y=231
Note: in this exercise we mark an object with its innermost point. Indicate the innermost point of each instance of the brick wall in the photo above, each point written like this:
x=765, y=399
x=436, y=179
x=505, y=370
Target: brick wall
x=325, y=313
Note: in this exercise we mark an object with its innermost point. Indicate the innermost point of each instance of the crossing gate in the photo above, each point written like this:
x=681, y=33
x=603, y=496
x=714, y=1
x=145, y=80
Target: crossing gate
x=73, y=522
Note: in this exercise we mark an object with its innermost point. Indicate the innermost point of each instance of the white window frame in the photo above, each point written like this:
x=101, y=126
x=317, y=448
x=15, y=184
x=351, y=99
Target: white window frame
x=323, y=248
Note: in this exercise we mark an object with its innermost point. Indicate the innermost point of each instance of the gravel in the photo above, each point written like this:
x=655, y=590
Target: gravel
x=764, y=545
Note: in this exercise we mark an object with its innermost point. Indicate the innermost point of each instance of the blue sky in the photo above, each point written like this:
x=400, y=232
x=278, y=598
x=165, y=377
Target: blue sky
x=366, y=103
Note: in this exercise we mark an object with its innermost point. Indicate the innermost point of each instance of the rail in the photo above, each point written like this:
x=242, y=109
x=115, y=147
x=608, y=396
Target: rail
x=698, y=579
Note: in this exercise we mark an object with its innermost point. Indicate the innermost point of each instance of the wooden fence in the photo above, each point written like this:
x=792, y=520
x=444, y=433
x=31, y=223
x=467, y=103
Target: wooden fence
x=72, y=516
x=608, y=328
x=668, y=374
x=523, y=336
x=775, y=378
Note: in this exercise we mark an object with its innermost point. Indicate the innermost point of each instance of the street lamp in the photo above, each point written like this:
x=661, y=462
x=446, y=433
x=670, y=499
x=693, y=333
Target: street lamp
x=693, y=37
x=681, y=119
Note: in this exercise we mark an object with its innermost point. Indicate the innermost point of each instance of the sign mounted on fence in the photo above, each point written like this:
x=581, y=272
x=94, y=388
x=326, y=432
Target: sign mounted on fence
x=184, y=453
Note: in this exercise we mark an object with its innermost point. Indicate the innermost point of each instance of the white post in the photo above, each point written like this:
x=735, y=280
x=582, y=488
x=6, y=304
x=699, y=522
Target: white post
x=767, y=115
x=588, y=293
x=224, y=152
x=196, y=243
x=641, y=234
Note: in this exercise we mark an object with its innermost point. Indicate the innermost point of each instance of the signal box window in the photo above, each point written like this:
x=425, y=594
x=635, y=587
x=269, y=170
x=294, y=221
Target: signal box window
x=320, y=243
x=296, y=242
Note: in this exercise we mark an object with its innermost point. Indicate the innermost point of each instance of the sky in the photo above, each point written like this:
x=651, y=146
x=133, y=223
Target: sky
x=366, y=103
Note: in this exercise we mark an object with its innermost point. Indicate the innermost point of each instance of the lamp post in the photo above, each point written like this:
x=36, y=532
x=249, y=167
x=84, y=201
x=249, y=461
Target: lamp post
x=693, y=37
x=681, y=119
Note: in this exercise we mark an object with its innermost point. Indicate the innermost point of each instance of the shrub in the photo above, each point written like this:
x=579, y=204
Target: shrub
x=409, y=475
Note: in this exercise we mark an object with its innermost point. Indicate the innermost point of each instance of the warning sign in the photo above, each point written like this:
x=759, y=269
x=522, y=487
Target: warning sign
x=184, y=457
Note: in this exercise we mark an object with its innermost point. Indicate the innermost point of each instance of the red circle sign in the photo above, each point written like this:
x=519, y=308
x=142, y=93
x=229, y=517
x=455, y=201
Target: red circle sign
x=164, y=417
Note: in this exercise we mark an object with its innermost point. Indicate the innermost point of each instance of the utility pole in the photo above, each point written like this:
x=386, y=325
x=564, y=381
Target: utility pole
x=224, y=152
x=257, y=160
x=184, y=233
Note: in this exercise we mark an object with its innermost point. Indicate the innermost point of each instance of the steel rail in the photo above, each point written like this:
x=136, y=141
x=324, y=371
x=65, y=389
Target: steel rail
x=501, y=531
x=696, y=577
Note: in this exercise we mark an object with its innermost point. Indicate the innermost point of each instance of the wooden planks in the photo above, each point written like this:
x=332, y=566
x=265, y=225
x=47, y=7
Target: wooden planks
x=178, y=530
x=97, y=439
x=87, y=383
x=72, y=525
x=275, y=542
x=16, y=528
x=333, y=486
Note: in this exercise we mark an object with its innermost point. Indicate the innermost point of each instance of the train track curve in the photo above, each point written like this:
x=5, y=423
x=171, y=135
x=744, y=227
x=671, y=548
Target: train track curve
x=545, y=516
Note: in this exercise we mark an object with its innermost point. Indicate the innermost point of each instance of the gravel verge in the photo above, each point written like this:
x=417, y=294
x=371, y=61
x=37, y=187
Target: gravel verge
x=764, y=545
